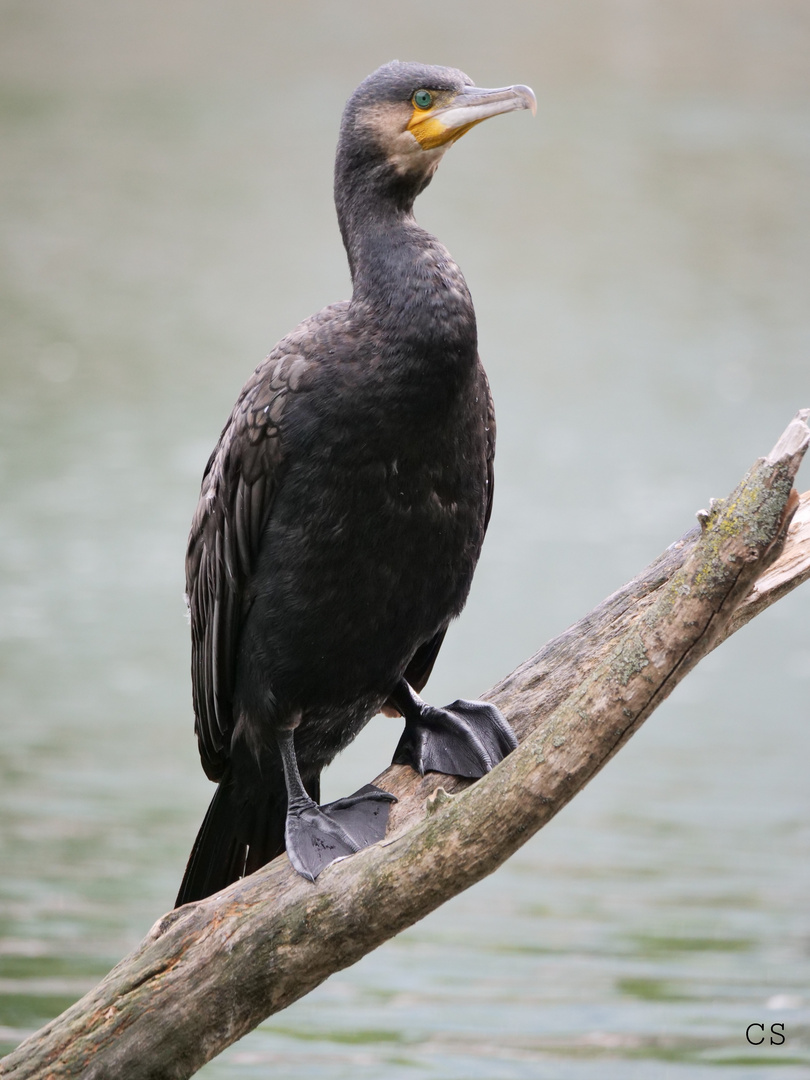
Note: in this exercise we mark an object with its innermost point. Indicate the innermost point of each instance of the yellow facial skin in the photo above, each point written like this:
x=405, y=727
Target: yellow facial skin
x=427, y=127
x=451, y=114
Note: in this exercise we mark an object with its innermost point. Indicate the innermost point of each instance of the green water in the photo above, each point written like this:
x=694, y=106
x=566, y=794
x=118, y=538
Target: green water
x=639, y=255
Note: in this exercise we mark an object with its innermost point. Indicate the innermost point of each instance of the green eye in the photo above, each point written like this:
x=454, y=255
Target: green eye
x=423, y=99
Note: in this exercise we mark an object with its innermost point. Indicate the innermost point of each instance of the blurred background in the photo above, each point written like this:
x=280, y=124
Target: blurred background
x=639, y=258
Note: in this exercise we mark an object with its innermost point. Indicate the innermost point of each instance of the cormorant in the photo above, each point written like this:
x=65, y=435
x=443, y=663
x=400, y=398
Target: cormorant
x=342, y=513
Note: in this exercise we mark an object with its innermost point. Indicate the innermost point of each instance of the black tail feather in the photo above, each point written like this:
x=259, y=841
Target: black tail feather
x=218, y=856
x=228, y=846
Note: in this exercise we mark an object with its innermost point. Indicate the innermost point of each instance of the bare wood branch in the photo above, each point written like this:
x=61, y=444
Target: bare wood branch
x=210, y=972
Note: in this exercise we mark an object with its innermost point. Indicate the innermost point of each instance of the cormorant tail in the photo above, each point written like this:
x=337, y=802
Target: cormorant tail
x=237, y=836
x=218, y=856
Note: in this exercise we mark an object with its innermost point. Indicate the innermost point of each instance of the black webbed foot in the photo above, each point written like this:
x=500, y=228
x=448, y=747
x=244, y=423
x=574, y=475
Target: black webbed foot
x=363, y=815
x=467, y=738
x=316, y=836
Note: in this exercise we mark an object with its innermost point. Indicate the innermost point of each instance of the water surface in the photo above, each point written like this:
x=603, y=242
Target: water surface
x=639, y=256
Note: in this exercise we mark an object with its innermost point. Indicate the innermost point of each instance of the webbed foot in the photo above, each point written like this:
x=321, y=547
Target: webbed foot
x=316, y=836
x=467, y=738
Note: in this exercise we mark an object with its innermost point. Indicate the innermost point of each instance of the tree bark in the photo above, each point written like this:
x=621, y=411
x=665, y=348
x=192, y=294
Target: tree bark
x=210, y=972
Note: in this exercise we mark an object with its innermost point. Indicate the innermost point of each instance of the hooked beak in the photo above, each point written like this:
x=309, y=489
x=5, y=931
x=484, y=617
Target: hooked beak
x=449, y=120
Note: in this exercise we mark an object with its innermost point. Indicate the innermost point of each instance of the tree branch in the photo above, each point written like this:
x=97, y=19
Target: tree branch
x=207, y=974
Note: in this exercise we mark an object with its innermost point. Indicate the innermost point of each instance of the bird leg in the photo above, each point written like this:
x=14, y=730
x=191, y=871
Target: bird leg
x=466, y=738
x=316, y=836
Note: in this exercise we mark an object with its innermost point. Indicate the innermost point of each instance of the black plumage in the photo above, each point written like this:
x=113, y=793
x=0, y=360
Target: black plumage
x=343, y=510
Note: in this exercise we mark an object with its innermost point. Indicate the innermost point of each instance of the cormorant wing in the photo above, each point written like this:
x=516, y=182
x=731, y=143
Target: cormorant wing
x=236, y=499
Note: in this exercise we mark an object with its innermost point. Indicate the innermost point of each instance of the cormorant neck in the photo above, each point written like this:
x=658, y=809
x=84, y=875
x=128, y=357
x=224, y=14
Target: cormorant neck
x=374, y=197
x=408, y=293
x=383, y=245
x=403, y=278
x=374, y=211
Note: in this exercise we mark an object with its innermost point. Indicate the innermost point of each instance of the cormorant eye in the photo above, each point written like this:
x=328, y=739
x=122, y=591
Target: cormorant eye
x=423, y=99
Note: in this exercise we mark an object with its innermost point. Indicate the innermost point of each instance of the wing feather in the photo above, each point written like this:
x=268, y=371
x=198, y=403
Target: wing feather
x=236, y=501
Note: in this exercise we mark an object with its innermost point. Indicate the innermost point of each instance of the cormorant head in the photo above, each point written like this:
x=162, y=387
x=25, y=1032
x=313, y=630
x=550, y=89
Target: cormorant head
x=399, y=122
